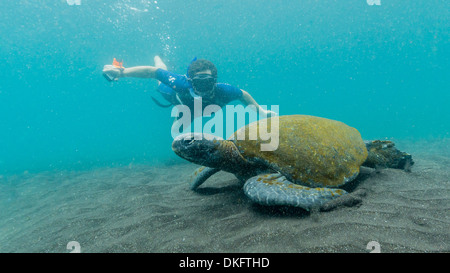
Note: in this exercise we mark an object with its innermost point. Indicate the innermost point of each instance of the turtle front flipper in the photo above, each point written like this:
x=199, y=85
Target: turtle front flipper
x=382, y=153
x=201, y=175
x=275, y=189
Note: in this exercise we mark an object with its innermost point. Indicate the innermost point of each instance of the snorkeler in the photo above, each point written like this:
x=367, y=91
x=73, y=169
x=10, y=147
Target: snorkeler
x=200, y=82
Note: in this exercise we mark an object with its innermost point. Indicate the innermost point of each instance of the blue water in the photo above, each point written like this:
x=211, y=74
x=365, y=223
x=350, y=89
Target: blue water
x=382, y=69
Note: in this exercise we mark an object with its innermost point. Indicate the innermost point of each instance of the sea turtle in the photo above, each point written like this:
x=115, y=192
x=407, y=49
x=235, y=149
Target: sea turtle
x=314, y=157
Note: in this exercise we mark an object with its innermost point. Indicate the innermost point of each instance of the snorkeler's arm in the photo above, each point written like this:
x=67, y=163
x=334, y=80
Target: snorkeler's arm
x=140, y=72
x=134, y=72
x=147, y=72
x=247, y=99
x=116, y=70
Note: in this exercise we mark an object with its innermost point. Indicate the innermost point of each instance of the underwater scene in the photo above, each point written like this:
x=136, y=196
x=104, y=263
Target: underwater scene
x=118, y=120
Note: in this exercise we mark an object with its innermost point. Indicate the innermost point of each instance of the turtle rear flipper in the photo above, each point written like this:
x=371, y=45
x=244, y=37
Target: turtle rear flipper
x=382, y=153
x=275, y=190
x=201, y=175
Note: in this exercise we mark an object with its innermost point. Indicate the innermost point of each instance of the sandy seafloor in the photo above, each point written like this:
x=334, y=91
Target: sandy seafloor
x=145, y=208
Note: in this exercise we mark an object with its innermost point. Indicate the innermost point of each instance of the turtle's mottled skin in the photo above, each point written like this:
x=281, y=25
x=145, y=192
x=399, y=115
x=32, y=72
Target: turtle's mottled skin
x=314, y=156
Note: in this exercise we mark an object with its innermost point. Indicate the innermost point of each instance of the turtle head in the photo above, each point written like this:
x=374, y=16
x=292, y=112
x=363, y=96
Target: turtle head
x=198, y=148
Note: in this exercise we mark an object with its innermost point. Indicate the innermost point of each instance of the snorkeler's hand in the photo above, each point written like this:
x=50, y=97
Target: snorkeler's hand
x=269, y=113
x=272, y=113
x=112, y=73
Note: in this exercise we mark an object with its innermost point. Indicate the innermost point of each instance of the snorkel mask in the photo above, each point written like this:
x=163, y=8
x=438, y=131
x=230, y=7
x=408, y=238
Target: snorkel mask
x=203, y=84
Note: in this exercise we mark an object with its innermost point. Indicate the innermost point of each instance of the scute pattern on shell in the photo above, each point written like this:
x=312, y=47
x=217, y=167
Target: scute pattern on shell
x=312, y=151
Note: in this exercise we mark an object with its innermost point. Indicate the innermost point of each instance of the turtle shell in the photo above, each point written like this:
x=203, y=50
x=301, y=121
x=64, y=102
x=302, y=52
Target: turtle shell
x=312, y=151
